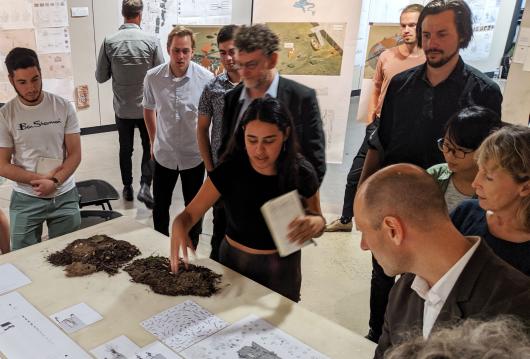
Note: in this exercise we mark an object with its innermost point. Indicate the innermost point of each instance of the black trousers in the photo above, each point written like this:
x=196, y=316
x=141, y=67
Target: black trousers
x=126, y=136
x=164, y=182
x=219, y=229
x=280, y=274
x=352, y=181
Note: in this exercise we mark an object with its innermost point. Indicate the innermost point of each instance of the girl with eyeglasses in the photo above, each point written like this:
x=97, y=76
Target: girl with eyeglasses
x=501, y=215
x=464, y=132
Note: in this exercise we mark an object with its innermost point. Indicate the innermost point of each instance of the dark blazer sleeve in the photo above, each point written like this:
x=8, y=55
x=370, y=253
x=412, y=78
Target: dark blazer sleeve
x=314, y=141
x=230, y=107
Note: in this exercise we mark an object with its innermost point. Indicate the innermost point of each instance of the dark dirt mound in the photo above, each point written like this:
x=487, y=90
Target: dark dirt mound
x=156, y=272
x=93, y=254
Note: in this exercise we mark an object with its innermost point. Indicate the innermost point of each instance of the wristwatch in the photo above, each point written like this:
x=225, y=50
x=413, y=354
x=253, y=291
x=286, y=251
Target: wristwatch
x=56, y=182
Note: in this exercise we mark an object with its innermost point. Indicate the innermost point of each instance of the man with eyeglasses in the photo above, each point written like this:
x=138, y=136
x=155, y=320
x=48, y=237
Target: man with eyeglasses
x=416, y=107
x=171, y=99
x=256, y=56
x=210, y=117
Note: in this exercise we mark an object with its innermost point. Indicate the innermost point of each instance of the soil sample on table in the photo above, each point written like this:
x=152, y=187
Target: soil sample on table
x=97, y=253
x=155, y=271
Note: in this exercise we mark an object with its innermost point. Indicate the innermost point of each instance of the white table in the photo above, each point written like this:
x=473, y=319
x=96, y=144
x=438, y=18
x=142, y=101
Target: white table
x=124, y=304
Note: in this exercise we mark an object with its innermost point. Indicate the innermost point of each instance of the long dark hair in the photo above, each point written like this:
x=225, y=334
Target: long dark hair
x=270, y=110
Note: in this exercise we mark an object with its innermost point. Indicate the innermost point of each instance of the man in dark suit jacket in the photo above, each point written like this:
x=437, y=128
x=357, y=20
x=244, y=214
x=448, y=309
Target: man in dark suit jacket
x=403, y=218
x=257, y=55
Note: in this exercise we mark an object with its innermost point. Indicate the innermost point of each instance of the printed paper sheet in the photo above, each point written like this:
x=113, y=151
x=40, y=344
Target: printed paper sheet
x=16, y=14
x=11, y=278
x=50, y=13
x=183, y=325
x=251, y=337
x=22, y=324
x=53, y=40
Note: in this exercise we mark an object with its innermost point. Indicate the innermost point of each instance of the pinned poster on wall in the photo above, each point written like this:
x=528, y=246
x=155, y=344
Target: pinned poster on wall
x=318, y=50
x=40, y=25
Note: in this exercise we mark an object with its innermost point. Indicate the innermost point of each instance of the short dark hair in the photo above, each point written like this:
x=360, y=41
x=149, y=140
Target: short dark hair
x=21, y=58
x=412, y=8
x=227, y=33
x=257, y=37
x=463, y=18
x=131, y=8
x=470, y=126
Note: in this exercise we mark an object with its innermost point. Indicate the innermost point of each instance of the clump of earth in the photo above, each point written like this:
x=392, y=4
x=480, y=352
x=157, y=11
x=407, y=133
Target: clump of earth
x=97, y=253
x=155, y=271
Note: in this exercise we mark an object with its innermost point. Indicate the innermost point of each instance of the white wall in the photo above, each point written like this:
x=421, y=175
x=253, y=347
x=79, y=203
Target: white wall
x=516, y=103
x=87, y=34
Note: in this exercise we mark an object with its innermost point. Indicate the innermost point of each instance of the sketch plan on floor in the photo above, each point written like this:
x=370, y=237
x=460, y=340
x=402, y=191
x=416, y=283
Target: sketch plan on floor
x=16, y=14
x=22, y=324
x=183, y=325
x=249, y=336
x=310, y=48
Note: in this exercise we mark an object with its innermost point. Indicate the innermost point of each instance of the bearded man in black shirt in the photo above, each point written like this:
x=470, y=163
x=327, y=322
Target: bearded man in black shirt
x=417, y=105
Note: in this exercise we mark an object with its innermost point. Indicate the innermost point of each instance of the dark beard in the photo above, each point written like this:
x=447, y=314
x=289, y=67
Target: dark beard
x=30, y=101
x=442, y=61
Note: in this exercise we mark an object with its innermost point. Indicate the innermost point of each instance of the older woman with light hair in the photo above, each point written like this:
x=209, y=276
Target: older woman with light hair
x=501, y=215
x=502, y=338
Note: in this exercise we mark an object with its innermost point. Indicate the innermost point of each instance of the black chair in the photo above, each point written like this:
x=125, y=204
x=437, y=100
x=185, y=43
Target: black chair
x=93, y=217
x=96, y=193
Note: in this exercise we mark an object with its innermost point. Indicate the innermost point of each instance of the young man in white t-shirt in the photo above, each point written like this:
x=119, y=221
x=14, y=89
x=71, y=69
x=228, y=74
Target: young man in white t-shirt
x=40, y=148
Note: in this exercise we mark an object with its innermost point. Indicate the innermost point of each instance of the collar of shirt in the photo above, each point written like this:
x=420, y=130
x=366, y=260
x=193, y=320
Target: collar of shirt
x=272, y=91
x=457, y=75
x=188, y=74
x=441, y=289
x=129, y=26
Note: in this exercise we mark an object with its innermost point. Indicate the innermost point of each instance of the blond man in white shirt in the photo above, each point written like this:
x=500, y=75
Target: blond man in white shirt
x=445, y=276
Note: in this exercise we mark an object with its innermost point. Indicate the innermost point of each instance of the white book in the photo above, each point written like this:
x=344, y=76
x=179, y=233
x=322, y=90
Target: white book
x=279, y=212
x=45, y=165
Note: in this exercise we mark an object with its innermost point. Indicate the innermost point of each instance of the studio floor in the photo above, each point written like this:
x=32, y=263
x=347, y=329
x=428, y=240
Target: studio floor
x=336, y=272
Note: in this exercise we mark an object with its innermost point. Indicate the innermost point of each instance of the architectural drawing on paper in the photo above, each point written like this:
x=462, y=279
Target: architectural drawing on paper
x=117, y=348
x=206, y=51
x=230, y=342
x=381, y=37
x=21, y=323
x=305, y=6
x=16, y=14
x=183, y=325
x=56, y=66
x=310, y=48
x=256, y=351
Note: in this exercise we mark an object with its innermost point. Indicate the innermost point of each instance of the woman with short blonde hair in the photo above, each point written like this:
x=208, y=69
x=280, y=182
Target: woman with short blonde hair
x=501, y=215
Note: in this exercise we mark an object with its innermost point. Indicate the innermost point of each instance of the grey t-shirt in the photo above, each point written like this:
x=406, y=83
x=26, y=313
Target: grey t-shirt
x=453, y=197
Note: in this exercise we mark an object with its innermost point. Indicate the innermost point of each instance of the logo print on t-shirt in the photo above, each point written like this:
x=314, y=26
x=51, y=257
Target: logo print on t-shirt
x=36, y=124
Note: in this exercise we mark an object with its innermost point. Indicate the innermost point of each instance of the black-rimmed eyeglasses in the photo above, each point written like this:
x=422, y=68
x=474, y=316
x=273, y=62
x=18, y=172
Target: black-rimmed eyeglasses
x=446, y=148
